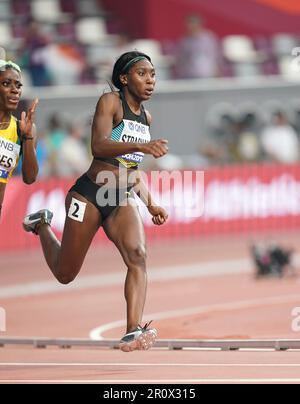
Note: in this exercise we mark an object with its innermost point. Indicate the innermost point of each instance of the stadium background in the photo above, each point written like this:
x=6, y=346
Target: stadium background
x=201, y=273
x=256, y=77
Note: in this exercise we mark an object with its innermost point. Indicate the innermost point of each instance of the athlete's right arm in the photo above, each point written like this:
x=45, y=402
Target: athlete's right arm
x=103, y=146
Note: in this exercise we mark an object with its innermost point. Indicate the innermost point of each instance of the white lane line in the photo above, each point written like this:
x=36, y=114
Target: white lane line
x=97, y=333
x=162, y=274
x=155, y=381
x=201, y=365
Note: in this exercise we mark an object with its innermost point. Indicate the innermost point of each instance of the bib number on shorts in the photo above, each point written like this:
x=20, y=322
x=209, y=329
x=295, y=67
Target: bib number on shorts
x=77, y=210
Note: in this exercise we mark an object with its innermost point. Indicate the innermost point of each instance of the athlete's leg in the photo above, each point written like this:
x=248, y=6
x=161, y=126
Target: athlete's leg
x=65, y=259
x=125, y=229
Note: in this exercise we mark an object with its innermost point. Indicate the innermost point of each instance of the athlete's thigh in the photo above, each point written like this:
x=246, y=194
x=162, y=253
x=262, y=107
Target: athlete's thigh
x=124, y=227
x=82, y=223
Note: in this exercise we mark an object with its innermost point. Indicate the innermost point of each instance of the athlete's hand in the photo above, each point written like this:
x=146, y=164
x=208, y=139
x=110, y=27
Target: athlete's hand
x=160, y=215
x=27, y=120
x=158, y=148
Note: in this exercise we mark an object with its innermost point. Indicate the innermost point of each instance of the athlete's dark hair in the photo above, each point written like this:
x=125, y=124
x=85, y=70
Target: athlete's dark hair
x=124, y=64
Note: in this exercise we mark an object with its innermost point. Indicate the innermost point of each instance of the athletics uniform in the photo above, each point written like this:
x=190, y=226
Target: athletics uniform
x=132, y=129
x=10, y=150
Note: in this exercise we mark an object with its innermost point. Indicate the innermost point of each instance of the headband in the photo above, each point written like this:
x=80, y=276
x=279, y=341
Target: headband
x=9, y=63
x=133, y=62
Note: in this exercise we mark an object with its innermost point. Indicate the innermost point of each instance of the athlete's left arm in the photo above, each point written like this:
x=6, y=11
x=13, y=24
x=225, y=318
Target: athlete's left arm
x=159, y=214
x=29, y=141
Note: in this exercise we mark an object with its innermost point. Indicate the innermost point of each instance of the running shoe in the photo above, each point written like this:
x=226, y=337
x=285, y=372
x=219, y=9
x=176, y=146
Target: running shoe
x=142, y=339
x=31, y=221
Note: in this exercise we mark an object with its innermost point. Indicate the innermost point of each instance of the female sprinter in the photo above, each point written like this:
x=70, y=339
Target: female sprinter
x=16, y=137
x=120, y=138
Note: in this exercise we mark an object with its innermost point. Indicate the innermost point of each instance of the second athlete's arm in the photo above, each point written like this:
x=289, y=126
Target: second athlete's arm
x=30, y=166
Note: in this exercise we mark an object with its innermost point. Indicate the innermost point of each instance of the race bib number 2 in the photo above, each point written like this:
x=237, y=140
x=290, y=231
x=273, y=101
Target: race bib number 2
x=77, y=210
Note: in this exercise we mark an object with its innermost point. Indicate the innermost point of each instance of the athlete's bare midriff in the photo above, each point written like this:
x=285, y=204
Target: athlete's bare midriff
x=100, y=167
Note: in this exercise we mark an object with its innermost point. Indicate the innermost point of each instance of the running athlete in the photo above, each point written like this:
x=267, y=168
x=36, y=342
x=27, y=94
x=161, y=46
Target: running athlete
x=120, y=138
x=16, y=137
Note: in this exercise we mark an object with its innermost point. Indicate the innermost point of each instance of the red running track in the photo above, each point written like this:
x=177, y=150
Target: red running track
x=198, y=289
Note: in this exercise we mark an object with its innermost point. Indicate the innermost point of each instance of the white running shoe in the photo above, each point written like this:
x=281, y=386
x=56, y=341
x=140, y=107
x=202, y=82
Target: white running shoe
x=142, y=338
x=31, y=221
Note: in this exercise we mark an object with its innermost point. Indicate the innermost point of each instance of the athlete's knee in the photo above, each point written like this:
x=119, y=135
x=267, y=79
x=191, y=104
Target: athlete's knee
x=66, y=278
x=66, y=272
x=137, y=256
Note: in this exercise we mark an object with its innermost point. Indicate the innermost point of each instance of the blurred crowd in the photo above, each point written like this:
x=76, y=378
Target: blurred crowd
x=252, y=136
x=64, y=148
x=62, y=42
